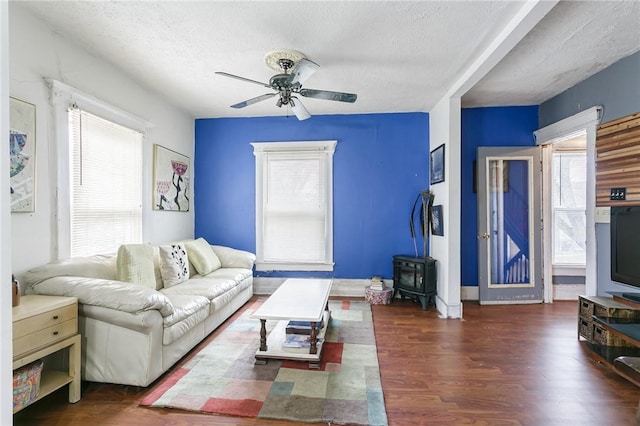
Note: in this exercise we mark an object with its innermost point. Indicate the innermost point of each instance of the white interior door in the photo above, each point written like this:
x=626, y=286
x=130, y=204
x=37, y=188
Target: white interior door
x=509, y=225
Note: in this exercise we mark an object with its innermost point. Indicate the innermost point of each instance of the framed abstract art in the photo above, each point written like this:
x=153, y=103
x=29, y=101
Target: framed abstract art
x=22, y=155
x=171, y=180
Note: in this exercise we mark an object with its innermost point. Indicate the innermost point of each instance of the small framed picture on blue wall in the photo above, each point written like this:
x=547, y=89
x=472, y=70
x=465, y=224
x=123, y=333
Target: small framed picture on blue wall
x=436, y=165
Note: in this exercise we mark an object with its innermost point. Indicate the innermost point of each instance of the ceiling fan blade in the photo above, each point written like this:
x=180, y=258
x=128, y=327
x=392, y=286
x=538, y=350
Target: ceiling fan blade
x=328, y=95
x=303, y=70
x=298, y=109
x=253, y=100
x=241, y=78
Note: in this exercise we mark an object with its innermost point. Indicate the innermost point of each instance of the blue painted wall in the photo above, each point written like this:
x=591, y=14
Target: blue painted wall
x=498, y=126
x=380, y=165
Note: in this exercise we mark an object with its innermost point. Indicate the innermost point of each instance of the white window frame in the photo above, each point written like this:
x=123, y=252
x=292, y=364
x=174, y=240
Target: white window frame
x=585, y=121
x=261, y=151
x=63, y=97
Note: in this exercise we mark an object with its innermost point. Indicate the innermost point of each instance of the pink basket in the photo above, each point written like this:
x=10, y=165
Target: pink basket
x=26, y=384
x=378, y=297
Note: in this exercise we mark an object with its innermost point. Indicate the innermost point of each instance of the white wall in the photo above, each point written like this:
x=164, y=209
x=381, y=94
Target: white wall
x=444, y=128
x=6, y=394
x=37, y=52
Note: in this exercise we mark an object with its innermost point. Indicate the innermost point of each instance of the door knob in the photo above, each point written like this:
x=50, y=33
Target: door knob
x=485, y=236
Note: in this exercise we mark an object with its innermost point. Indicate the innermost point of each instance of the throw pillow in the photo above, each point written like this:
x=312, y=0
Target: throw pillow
x=174, y=264
x=135, y=265
x=202, y=256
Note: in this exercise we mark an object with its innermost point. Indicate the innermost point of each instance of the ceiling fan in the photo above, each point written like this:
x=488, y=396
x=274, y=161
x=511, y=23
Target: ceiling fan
x=294, y=69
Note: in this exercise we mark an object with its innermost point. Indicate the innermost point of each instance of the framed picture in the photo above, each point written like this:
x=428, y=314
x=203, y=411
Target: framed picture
x=22, y=155
x=437, y=227
x=171, y=180
x=436, y=165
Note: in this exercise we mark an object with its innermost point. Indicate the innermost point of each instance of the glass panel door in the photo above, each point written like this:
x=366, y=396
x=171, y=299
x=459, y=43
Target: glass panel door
x=508, y=210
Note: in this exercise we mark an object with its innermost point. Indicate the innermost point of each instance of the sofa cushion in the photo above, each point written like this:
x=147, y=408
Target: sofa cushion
x=188, y=312
x=110, y=294
x=156, y=267
x=96, y=266
x=202, y=256
x=183, y=307
x=135, y=265
x=224, y=299
x=235, y=274
x=202, y=286
x=234, y=258
x=174, y=264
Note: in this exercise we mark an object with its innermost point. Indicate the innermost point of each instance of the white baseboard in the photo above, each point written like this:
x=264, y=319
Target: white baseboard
x=560, y=292
x=355, y=288
x=568, y=291
x=341, y=287
x=468, y=292
x=448, y=311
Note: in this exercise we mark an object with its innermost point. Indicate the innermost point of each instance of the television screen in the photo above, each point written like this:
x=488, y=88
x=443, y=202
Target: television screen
x=625, y=245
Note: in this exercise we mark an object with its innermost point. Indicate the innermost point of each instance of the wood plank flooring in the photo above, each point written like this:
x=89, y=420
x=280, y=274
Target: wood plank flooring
x=500, y=365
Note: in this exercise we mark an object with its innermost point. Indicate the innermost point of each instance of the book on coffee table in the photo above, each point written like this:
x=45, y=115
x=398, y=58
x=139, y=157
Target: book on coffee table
x=298, y=341
x=302, y=327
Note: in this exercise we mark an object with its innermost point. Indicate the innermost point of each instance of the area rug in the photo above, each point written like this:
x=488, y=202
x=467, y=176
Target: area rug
x=223, y=379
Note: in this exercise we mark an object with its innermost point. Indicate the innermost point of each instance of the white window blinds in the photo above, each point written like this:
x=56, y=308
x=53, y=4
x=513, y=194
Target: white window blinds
x=294, y=206
x=106, y=184
x=569, y=200
x=294, y=214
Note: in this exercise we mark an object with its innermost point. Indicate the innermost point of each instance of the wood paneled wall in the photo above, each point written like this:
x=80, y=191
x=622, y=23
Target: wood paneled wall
x=618, y=160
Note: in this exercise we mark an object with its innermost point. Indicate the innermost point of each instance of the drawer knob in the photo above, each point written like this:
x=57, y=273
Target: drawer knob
x=55, y=333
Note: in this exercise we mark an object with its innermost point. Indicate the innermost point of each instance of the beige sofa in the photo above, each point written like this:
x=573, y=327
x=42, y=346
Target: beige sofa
x=132, y=333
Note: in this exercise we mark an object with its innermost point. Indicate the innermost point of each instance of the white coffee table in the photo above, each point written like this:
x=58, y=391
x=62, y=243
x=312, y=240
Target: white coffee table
x=297, y=299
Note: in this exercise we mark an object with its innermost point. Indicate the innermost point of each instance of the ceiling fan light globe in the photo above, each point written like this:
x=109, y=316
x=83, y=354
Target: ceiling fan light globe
x=299, y=110
x=303, y=70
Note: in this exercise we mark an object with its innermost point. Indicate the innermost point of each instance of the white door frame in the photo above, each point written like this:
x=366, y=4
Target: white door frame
x=585, y=121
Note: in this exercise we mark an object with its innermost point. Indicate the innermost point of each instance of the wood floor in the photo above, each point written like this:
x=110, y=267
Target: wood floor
x=500, y=365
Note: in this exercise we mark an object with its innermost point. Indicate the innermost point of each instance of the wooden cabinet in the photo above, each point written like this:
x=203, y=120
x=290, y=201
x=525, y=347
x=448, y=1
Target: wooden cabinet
x=43, y=325
x=612, y=331
x=592, y=307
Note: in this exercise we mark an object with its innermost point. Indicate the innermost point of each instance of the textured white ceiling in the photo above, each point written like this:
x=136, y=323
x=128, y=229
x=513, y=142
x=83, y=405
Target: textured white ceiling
x=397, y=56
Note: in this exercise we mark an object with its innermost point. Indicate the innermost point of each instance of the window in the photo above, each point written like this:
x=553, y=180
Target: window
x=99, y=173
x=106, y=184
x=569, y=200
x=294, y=206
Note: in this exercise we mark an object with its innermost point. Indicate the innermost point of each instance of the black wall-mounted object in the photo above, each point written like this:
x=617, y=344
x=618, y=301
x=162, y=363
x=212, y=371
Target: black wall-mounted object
x=625, y=245
x=618, y=194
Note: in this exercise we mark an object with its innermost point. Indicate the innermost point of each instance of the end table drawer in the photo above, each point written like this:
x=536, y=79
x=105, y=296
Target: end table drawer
x=44, y=320
x=44, y=337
